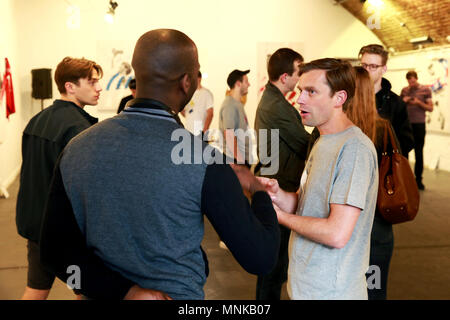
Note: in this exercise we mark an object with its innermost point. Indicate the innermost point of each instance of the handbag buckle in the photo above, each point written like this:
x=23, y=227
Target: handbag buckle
x=390, y=189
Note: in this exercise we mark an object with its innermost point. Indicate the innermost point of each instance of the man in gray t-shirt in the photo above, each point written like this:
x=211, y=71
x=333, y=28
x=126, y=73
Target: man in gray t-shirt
x=332, y=213
x=341, y=169
x=233, y=121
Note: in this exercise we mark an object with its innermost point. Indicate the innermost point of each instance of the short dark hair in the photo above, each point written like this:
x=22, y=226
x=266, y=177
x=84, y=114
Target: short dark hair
x=282, y=61
x=73, y=69
x=411, y=74
x=132, y=84
x=340, y=75
x=375, y=49
x=234, y=76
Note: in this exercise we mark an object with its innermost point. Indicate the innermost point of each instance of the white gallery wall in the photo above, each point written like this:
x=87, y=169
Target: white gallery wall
x=227, y=33
x=431, y=66
x=10, y=130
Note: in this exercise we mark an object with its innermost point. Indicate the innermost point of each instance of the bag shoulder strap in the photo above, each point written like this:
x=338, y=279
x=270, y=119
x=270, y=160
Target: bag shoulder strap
x=389, y=137
x=394, y=145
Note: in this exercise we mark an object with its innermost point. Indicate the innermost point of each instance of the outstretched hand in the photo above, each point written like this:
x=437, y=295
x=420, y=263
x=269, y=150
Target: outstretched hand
x=271, y=187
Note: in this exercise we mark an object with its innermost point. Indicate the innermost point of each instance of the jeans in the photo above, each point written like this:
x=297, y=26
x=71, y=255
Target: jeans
x=419, y=141
x=381, y=247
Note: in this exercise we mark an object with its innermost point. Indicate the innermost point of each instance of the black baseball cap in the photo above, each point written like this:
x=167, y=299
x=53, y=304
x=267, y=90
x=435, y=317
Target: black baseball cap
x=234, y=76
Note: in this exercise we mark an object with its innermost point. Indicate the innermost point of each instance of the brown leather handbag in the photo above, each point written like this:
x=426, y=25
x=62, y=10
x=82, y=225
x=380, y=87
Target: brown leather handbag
x=398, y=194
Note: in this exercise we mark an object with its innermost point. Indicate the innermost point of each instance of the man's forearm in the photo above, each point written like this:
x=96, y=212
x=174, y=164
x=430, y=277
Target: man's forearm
x=286, y=201
x=315, y=229
x=208, y=119
x=231, y=216
x=427, y=106
x=334, y=231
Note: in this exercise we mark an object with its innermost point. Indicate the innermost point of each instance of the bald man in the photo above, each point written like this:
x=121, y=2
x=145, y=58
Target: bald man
x=135, y=231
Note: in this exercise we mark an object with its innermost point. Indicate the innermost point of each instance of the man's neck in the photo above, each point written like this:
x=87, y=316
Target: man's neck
x=235, y=95
x=65, y=97
x=377, y=86
x=337, y=124
x=280, y=87
x=165, y=95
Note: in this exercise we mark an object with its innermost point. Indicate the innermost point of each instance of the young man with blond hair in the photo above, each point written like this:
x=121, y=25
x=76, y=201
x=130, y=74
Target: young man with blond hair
x=43, y=139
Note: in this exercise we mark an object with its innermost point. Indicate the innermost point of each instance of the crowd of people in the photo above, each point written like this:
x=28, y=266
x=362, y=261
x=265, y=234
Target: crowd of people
x=108, y=198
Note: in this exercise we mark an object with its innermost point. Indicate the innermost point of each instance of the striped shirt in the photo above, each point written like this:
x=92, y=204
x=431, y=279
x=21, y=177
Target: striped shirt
x=415, y=112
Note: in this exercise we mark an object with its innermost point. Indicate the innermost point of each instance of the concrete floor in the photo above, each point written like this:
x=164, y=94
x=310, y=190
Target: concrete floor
x=419, y=266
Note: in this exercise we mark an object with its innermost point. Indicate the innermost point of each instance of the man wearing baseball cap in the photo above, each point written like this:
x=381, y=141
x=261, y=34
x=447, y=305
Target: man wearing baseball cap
x=233, y=122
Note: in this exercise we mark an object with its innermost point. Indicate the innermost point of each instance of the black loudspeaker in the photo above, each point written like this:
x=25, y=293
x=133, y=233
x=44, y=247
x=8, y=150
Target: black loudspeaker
x=41, y=83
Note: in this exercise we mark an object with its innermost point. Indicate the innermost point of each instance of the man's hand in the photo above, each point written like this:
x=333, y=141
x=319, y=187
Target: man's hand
x=247, y=179
x=271, y=186
x=286, y=201
x=138, y=293
x=415, y=101
x=407, y=99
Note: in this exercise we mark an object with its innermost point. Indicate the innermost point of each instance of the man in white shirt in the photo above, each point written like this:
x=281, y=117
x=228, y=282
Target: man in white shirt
x=199, y=111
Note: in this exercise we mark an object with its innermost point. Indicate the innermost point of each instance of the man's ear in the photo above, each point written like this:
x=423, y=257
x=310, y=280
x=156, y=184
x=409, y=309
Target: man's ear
x=384, y=69
x=283, y=77
x=69, y=87
x=340, y=97
x=185, y=83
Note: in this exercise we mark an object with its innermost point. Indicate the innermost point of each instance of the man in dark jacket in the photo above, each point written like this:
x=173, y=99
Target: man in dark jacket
x=389, y=105
x=43, y=139
x=286, y=162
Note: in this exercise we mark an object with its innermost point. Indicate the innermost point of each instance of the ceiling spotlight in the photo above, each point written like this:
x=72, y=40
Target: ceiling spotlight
x=109, y=16
x=338, y=2
x=421, y=40
x=376, y=3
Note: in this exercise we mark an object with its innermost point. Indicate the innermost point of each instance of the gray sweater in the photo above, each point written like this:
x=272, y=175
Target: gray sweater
x=141, y=213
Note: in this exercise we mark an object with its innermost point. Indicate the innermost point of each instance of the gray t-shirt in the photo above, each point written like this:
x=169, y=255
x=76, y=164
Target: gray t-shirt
x=232, y=116
x=341, y=169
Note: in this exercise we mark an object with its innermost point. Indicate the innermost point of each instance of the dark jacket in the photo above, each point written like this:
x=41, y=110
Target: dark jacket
x=43, y=139
x=275, y=112
x=391, y=107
